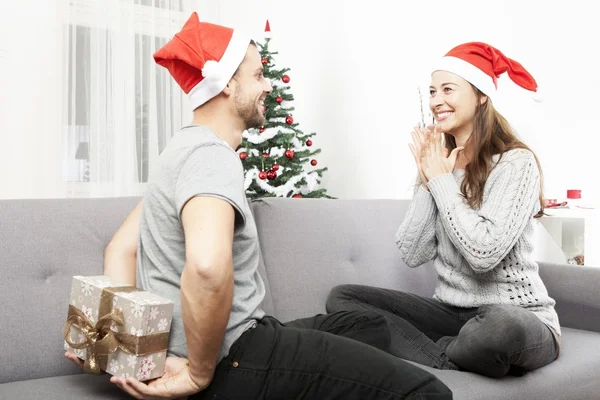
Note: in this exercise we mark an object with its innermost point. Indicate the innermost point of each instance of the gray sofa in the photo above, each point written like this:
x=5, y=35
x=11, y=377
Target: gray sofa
x=308, y=246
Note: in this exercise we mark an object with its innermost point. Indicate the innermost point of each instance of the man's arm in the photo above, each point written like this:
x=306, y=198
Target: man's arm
x=207, y=281
x=120, y=257
x=120, y=254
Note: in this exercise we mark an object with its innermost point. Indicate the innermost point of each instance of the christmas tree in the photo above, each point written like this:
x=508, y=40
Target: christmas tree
x=278, y=158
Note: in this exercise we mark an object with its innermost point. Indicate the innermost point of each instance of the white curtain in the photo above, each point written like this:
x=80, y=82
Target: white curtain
x=119, y=107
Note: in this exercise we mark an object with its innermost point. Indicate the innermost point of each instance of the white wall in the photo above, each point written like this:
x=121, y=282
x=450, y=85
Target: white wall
x=356, y=68
x=30, y=99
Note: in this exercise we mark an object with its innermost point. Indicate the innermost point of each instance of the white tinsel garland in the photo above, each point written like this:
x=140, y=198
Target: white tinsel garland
x=250, y=152
x=267, y=134
x=255, y=138
x=277, y=152
x=290, y=186
x=297, y=143
x=311, y=182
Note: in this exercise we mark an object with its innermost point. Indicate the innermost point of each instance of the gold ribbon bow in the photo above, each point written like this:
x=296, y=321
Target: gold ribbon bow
x=100, y=341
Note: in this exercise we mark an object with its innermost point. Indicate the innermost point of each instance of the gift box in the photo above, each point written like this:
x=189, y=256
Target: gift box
x=117, y=329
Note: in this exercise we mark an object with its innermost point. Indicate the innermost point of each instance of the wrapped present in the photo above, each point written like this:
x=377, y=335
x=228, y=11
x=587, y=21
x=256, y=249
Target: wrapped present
x=117, y=329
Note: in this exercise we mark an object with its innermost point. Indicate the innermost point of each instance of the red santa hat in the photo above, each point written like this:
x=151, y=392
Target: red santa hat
x=481, y=65
x=202, y=58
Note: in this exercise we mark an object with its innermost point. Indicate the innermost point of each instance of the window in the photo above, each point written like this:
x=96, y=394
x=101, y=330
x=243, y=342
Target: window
x=120, y=108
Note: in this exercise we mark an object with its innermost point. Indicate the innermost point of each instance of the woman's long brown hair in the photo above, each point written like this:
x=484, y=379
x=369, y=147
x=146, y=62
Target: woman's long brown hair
x=492, y=134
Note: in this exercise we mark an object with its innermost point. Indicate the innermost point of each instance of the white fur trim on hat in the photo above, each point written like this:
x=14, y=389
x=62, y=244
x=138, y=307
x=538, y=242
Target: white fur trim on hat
x=217, y=74
x=468, y=72
x=538, y=96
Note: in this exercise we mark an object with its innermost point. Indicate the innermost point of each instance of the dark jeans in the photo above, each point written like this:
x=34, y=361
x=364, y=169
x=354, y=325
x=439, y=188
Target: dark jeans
x=492, y=340
x=333, y=356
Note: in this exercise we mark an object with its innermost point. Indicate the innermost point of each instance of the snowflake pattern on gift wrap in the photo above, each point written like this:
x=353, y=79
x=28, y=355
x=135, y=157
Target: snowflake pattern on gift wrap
x=146, y=367
x=113, y=367
x=136, y=332
x=162, y=324
x=102, y=282
x=88, y=312
x=137, y=309
x=142, y=298
x=149, y=331
x=131, y=361
x=79, y=352
x=125, y=375
x=86, y=289
x=125, y=295
x=153, y=313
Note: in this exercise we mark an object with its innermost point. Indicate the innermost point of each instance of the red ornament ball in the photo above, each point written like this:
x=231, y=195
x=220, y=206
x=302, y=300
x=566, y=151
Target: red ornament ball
x=265, y=155
x=289, y=154
x=297, y=196
x=313, y=163
x=271, y=175
x=279, y=99
x=285, y=79
x=275, y=167
x=265, y=61
x=243, y=155
x=309, y=142
x=262, y=129
x=262, y=175
x=289, y=120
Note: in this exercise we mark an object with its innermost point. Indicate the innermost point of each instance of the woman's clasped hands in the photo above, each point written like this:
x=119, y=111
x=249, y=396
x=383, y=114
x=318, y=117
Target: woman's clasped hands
x=431, y=156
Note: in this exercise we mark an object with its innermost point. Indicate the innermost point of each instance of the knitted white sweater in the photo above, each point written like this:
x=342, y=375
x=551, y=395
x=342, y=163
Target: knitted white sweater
x=482, y=256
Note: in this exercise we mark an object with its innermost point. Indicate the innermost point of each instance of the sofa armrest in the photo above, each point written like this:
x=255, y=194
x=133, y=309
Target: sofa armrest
x=576, y=290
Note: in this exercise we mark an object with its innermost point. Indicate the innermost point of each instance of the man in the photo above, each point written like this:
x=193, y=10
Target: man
x=198, y=246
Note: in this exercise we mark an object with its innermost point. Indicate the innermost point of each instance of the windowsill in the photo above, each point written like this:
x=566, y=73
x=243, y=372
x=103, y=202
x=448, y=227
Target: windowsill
x=103, y=189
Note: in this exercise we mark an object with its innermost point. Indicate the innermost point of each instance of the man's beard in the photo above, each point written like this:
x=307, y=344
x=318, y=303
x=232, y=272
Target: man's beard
x=249, y=112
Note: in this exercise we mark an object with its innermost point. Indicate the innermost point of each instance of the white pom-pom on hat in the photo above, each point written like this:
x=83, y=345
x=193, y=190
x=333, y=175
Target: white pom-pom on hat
x=212, y=70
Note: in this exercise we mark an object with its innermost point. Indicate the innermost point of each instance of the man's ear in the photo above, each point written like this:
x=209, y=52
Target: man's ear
x=230, y=87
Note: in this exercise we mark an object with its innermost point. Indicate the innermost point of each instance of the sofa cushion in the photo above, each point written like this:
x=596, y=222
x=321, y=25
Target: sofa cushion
x=81, y=387
x=311, y=245
x=573, y=376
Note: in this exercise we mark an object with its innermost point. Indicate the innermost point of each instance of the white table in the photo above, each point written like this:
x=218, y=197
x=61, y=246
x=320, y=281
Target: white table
x=574, y=231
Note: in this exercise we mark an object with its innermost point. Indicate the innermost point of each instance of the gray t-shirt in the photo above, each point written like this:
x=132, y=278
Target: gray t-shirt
x=197, y=163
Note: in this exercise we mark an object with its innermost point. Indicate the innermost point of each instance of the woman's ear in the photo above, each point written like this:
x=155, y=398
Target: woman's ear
x=483, y=99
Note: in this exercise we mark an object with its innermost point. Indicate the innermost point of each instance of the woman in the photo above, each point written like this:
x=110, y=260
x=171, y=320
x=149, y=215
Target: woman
x=473, y=215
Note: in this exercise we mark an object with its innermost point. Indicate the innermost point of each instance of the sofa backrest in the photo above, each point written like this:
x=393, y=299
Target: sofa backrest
x=308, y=247
x=311, y=245
x=43, y=243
